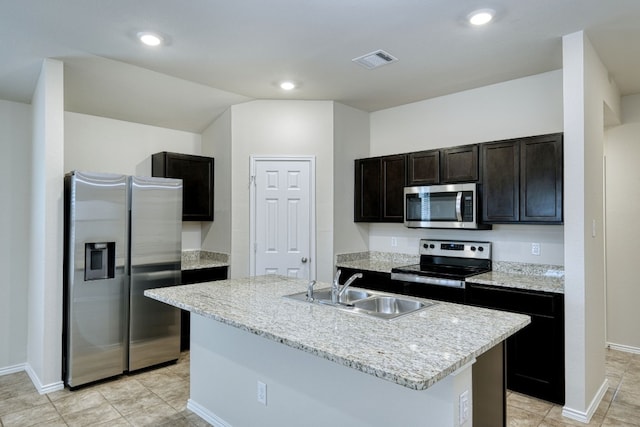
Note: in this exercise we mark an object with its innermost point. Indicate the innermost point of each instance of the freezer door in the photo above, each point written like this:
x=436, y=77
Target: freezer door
x=95, y=311
x=156, y=245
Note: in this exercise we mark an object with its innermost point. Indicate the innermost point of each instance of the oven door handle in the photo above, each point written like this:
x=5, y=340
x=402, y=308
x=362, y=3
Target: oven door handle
x=428, y=280
x=459, y=206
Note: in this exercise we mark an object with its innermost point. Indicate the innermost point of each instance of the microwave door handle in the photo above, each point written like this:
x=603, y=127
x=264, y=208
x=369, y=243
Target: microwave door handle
x=459, y=206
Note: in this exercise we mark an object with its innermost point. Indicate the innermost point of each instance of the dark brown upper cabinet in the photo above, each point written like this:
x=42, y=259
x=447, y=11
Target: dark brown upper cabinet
x=379, y=189
x=423, y=167
x=196, y=173
x=459, y=164
x=522, y=180
x=443, y=166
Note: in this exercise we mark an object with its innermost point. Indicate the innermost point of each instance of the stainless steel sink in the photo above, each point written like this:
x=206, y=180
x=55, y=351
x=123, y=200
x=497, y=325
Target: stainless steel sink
x=373, y=304
x=323, y=296
x=389, y=307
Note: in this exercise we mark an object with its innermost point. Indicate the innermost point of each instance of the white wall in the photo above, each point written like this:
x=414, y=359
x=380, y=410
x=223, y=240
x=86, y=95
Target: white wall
x=586, y=90
x=351, y=141
x=15, y=187
x=272, y=128
x=216, y=143
x=622, y=227
x=99, y=144
x=44, y=331
x=522, y=107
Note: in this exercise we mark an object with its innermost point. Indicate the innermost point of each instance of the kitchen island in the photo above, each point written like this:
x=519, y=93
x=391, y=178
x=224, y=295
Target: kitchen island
x=324, y=366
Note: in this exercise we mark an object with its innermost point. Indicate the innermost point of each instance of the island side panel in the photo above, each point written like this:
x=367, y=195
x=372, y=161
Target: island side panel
x=302, y=389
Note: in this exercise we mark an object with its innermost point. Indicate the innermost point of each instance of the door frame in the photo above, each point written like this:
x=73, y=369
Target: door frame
x=254, y=160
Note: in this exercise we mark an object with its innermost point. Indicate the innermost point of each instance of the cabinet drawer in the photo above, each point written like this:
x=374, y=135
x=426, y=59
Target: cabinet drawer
x=521, y=301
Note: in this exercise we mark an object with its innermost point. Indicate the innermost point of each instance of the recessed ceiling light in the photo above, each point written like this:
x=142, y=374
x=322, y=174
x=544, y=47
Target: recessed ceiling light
x=481, y=16
x=150, y=39
x=287, y=85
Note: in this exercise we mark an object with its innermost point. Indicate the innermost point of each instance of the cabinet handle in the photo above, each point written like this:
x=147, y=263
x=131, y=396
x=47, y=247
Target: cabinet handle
x=304, y=259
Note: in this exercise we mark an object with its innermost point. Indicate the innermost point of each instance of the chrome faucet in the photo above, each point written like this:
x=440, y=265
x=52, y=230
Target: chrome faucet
x=310, y=290
x=337, y=291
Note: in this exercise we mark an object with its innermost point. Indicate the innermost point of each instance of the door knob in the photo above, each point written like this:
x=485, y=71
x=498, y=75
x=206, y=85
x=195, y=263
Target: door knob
x=304, y=259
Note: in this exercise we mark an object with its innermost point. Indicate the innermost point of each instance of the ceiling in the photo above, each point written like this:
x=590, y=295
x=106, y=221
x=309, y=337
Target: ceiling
x=222, y=52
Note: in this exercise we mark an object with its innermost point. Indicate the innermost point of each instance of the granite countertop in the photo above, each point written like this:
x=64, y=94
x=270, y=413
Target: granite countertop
x=534, y=277
x=520, y=281
x=381, y=262
x=196, y=259
x=415, y=351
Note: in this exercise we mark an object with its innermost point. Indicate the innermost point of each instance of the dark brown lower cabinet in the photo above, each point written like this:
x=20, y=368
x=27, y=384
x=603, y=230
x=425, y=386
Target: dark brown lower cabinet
x=535, y=355
x=197, y=275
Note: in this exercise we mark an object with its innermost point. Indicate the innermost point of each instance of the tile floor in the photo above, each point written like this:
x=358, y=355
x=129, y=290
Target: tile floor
x=159, y=398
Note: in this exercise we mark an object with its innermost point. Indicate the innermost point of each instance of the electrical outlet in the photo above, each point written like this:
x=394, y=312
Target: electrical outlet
x=535, y=249
x=262, y=393
x=394, y=242
x=464, y=407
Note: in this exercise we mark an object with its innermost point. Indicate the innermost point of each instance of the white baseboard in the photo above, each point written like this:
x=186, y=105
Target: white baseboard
x=206, y=415
x=585, y=417
x=42, y=388
x=625, y=348
x=12, y=369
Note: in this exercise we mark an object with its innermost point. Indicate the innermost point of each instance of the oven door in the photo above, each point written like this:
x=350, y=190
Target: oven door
x=440, y=293
x=450, y=290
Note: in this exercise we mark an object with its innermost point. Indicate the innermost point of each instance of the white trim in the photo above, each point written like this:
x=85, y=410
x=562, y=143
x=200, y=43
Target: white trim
x=585, y=417
x=206, y=414
x=13, y=369
x=312, y=209
x=622, y=347
x=42, y=388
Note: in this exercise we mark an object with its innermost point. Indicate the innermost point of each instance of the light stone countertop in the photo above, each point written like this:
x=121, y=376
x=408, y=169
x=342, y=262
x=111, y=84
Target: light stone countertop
x=520, y=281
x=534, y=277
x=415, y=351
x=192, y=260
x=381, y=262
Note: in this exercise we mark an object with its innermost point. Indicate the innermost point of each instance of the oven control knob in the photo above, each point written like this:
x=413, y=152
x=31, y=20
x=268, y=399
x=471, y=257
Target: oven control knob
x=426, y=246
x=480, y=248
x=473, y=248
x=432, y=246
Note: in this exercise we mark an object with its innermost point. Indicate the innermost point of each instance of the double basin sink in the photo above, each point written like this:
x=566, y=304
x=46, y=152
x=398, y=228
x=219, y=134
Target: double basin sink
x=379, y=305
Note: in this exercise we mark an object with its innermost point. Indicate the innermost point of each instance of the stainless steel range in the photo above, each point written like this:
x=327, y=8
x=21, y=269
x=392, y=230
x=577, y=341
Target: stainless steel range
x=444, y=267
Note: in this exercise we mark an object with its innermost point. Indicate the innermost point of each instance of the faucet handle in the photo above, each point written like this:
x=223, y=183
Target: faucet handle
x=337, y=277
x=310, y=290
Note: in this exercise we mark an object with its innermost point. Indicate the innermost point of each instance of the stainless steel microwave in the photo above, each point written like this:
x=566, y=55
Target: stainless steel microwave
x=443, y=206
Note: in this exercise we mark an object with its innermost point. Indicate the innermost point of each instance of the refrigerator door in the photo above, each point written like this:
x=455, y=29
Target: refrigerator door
x=156, y=245
x=95, y=312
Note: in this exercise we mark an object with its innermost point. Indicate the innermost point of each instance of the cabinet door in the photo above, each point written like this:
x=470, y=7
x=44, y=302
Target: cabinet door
x=500, y=182
x=541, y=179
x=423, y=167
x=535, y=360
x=393, y=180
x=367, y=190
x=459, y=164
x=535, y=354
x=196, y=173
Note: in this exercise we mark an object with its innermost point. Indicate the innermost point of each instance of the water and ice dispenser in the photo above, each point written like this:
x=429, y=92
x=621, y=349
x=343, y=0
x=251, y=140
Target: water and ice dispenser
x=99, y=260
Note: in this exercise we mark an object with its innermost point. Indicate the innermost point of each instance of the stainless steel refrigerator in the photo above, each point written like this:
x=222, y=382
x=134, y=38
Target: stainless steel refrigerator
x=123, y=234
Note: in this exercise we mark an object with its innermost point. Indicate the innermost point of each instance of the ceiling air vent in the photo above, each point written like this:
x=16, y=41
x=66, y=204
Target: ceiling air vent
x=375, y=59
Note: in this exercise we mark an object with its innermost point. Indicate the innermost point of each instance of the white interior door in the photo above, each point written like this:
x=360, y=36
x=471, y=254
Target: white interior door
x=283, y=222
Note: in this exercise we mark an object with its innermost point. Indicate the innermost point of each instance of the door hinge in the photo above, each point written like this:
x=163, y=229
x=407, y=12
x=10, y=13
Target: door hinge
x=252, y=180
